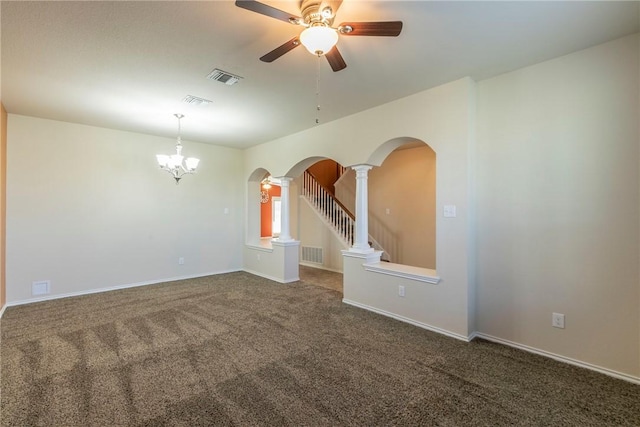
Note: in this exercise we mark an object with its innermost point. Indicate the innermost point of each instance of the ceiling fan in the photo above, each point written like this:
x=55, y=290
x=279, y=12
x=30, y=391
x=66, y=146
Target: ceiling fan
x=319, y=37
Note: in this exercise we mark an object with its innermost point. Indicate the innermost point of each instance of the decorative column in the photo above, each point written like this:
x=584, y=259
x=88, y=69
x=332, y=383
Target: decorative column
x=361, y=241
x=285, y=233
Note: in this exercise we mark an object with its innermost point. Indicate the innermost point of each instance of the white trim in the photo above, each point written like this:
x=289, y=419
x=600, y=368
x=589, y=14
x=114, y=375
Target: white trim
x=4, y=307
x=319, y=267
x=405, y=271
x=600, y=369
x=113, y=288
x=266, y=276
x=370, y=257
x=581, y=364
x=407, y=320
x=259, y=248
x=292, y=242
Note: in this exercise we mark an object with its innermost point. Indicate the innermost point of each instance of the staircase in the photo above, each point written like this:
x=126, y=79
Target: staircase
x=342, y=221
x=335, y=213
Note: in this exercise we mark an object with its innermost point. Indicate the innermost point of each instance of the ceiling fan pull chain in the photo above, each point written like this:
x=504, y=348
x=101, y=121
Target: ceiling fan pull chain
x=318, y=91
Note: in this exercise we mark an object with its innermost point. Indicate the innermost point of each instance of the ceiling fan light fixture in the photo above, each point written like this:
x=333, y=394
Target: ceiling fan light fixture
x=319, y=39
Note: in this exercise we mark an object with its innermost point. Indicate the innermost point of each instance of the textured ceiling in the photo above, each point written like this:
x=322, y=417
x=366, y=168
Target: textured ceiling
x=127, y=65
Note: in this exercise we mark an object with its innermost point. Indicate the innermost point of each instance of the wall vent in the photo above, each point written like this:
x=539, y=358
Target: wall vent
x=224, y=77
x=40, y=288
x=195, y=100
x=312, y=254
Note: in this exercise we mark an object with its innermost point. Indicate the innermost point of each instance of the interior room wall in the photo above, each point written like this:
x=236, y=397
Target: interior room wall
x=88, y=208
x=346, y=190
x=3, y=204
x=558, y=206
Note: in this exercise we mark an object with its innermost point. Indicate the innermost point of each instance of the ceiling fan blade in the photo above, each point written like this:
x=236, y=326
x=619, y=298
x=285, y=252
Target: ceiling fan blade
x=335, y=59
x=263, y=9
x=385, y=29
x=281, y=50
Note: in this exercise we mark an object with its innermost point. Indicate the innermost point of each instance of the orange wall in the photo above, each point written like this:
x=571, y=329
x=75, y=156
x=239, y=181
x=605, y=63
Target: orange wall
x=265, y=212
x=326, y=173
x=3, y=199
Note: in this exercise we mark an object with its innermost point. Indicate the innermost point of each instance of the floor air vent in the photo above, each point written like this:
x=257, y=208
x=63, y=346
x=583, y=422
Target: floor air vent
x=311, y=254
x=224, y=77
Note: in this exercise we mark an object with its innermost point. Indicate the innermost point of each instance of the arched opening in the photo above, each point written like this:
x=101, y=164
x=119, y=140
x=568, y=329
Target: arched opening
x=402, y=202
x=323, y=225
x=279, y=258
x=254, y=206
x=270, y=207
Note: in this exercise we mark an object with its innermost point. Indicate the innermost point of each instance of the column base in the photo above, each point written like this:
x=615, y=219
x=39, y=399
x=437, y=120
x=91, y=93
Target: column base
x=367, y=257
x=362, y=250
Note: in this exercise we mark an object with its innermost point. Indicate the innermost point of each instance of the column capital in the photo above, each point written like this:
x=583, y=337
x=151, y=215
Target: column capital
x=361, y=168
x=284, y=179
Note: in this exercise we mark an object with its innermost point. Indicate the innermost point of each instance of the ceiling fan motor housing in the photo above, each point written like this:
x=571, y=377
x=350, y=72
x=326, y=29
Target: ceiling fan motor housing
x=312, y=14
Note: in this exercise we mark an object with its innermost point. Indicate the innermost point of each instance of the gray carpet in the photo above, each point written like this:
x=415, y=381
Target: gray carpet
x=236, y=349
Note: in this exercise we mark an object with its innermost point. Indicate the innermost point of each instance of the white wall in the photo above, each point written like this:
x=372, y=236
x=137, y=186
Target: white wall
x=88, y=208
x=558, y=206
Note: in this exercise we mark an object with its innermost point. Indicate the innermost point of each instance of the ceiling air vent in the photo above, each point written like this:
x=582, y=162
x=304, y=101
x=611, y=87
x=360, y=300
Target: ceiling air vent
x=224, y=77
x=195, y=100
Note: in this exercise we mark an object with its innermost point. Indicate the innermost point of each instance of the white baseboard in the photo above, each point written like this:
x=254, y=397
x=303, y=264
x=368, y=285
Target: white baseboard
x=560, y=358
x=266, y=276
x=319, y=267
x=407, y=320
x=111, y=288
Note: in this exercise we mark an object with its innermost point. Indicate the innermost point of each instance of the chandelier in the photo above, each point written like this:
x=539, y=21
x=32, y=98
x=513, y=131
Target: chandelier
x=176, y=164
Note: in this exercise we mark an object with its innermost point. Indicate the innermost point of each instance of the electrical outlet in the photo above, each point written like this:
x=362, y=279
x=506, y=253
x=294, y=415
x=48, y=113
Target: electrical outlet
x=181, y=260
x=557, y=320
x=401, y=291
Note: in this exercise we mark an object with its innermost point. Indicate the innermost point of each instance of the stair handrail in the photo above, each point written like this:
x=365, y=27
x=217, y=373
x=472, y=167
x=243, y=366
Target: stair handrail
x=330, y=194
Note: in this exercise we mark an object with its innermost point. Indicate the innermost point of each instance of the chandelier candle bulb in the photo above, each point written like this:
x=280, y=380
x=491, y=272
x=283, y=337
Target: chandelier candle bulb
x=192, y=163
